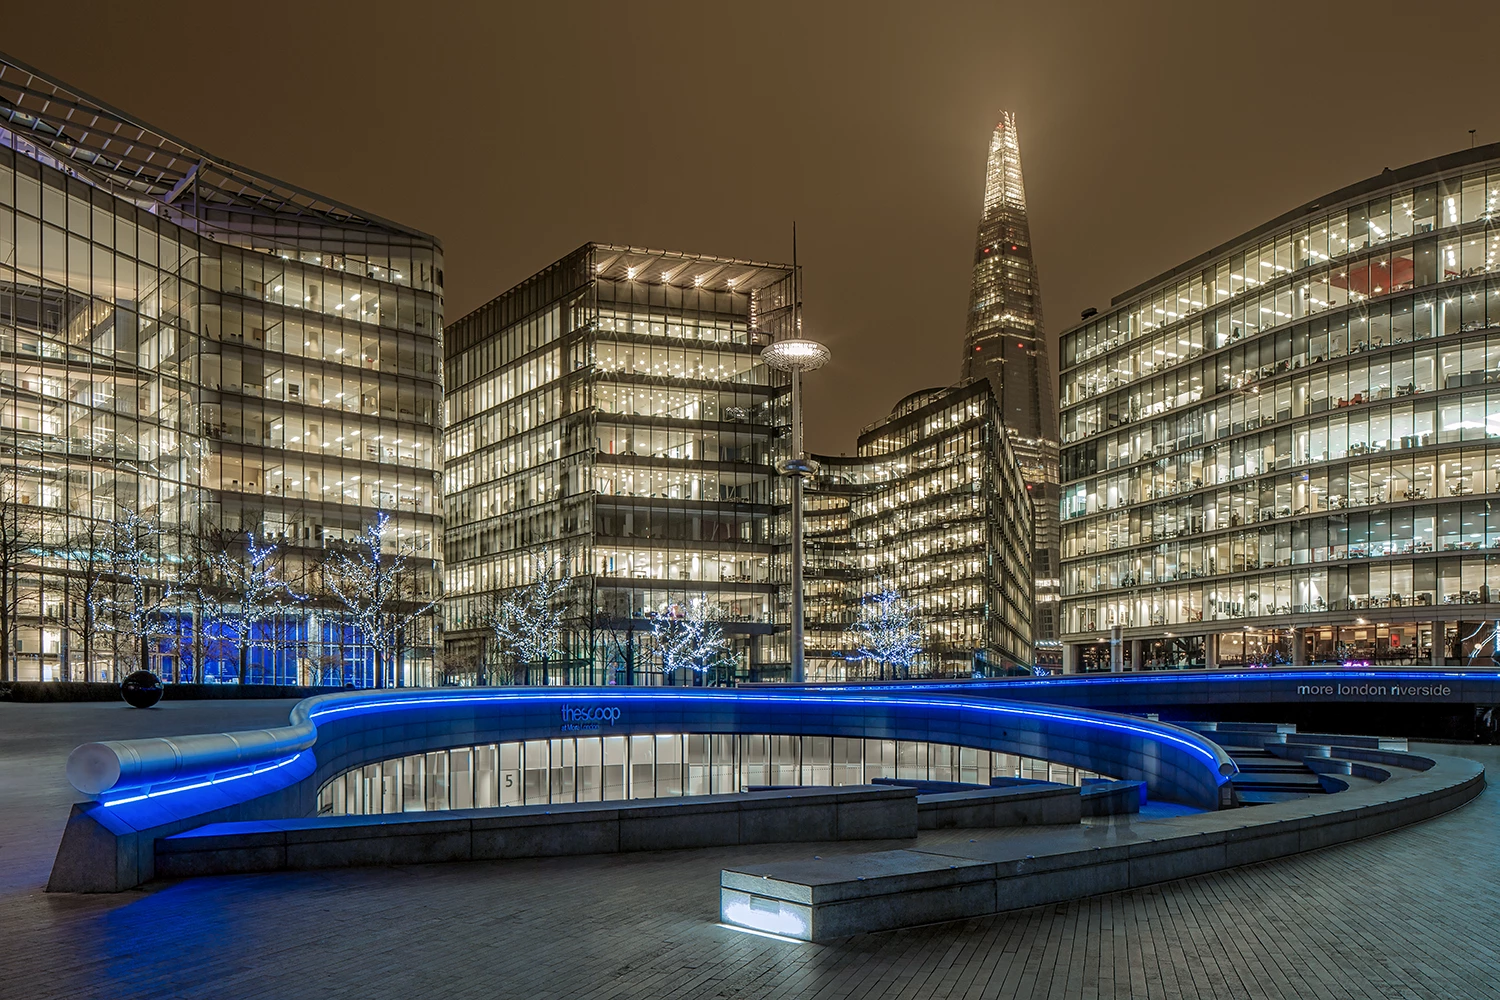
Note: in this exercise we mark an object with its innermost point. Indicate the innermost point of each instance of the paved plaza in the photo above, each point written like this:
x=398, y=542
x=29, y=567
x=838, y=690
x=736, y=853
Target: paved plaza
x=1410, y=914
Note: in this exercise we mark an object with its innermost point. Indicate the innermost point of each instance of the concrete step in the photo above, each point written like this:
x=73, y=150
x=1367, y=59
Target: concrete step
x=1264, y=798
x=1306, y=781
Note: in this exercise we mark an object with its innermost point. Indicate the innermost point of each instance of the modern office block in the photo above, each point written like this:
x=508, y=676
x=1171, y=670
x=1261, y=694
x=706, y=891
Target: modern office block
x=216, y=351
x=933, y=506
x=611, y=415
x=1286, y=449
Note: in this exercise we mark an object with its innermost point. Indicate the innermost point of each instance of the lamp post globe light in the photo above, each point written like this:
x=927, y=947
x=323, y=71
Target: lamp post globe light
x=797, y=356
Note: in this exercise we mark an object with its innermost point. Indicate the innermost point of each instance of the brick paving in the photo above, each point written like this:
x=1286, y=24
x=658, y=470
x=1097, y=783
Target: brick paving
x=1411, y=914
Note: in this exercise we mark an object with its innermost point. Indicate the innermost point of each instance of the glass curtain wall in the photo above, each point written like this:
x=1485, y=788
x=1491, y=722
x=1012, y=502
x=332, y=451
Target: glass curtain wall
x=934, y=507
x=1299, y=432
x=611, y=417
x=220, y=354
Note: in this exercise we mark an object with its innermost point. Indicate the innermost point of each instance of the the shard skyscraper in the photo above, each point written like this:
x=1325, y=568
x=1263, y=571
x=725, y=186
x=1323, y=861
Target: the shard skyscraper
x=1005, y=341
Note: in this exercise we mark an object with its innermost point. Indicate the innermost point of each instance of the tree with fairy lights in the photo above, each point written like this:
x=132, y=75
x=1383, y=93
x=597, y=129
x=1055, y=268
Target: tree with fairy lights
x=379, y=587
x=140, y=593
x=888, y=631
x=527, y=623
x=693, y=638
x=243, y=589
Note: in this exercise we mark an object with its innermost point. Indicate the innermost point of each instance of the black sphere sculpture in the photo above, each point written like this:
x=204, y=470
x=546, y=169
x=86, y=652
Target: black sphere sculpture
x=141, y=689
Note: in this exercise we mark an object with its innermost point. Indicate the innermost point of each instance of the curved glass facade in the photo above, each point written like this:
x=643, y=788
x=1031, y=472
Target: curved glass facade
x=1287, y=450
x=613, y=768
x=934, y=506
x=217, y=352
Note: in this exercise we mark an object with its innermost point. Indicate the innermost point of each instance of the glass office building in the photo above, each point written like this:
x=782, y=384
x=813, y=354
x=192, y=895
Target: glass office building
x=933, y=506
x=1287, y=450
x=212, y=349
x=1005, y=342
x=612, y=415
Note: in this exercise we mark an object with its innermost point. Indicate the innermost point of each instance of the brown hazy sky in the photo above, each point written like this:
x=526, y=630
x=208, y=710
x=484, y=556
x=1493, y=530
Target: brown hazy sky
x=516, y=132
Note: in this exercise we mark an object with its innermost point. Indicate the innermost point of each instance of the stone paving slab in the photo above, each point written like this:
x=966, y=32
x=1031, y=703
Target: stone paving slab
x=1412, y=914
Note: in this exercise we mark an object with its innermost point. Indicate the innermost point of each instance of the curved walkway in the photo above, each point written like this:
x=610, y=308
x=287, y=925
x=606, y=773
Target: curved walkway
x=1412, y=914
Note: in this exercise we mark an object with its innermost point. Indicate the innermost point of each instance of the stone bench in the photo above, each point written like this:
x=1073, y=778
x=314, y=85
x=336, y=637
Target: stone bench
x=926, y=786
x=984, y=808
x=824, y=899
x=860, y=812
x=1112, y=798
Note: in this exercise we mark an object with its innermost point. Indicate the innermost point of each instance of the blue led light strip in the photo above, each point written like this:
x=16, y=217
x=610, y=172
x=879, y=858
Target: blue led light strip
x=218, y=780
x=778, y=699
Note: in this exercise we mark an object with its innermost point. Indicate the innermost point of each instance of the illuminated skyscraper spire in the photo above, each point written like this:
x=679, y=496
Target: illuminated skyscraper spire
x=1005, y=342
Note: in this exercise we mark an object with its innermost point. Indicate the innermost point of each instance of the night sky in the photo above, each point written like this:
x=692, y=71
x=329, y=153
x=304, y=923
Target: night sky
x=516, y=132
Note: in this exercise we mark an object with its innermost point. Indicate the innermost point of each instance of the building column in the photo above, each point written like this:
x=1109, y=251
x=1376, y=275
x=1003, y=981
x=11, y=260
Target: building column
x=1439, y=643
x=1070, y=658
x=1211, y=651
x=1299, y=647
x=1137, y=653
x=1116, y=649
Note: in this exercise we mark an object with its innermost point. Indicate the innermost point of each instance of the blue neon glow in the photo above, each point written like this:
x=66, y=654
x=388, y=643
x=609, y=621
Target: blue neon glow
x=1056, y=714
x=216, y=780
x=290, y=744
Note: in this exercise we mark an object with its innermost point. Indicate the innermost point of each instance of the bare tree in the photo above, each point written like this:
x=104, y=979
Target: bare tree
x=527, y=623
x=20, y=535
x=381, y=592
x=324, y=667
x=455, y=668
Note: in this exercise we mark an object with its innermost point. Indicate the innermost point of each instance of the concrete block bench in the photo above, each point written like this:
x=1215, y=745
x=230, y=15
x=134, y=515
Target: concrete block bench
x=984, y=808
x=926, y=786
x=860, y=812
x=823, y=899
x=837, y=897
x=1112, y=798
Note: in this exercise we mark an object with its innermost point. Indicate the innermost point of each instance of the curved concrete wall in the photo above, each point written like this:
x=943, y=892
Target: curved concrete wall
x=154, y=788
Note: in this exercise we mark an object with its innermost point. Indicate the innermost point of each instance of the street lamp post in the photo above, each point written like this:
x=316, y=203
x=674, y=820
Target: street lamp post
x=797, y=356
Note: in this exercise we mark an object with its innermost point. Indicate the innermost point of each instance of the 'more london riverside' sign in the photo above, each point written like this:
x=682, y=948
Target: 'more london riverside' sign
x=1201, y=690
